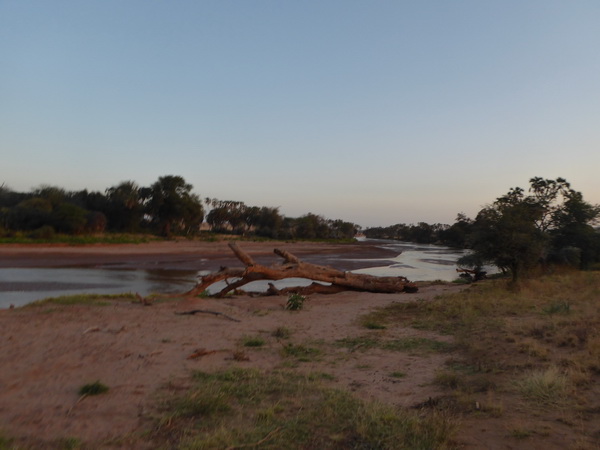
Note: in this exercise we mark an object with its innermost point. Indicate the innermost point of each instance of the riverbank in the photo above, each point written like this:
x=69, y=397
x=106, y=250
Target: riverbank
x=33, y=272
x=504, y=369
x=183, y=255
x=144, y=352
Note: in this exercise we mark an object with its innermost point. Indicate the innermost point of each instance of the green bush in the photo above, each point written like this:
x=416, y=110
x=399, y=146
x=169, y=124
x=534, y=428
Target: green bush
x=43, y=232
x=295, y=302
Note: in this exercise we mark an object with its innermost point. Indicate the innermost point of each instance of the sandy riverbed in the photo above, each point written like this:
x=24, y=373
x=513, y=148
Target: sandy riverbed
x=48, y=352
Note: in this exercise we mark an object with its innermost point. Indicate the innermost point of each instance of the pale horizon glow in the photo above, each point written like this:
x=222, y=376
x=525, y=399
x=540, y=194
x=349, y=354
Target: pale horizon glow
x=373, y=112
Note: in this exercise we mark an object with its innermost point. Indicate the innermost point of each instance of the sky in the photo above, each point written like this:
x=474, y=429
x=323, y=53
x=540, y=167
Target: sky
x=375, y=112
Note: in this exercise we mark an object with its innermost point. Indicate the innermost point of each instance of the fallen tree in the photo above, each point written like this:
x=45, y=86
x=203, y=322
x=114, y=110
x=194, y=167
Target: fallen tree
x=292, y=267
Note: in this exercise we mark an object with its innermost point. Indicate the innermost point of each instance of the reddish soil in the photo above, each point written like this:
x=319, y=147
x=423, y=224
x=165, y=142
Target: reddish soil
x=49, y=352
x=142, y=352
x=184, y=255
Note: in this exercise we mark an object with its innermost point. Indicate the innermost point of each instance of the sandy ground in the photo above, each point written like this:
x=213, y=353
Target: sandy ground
x=49, y=352
x=185, y=255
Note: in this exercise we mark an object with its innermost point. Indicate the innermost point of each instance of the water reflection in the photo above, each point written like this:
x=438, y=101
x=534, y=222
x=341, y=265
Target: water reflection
x=22, y=286
x=417, y=262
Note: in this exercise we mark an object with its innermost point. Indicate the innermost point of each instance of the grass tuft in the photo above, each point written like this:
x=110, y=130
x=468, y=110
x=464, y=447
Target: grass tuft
x=253, y=341
x=95, y=388
x=544, y=387
x=397, y=374
x=301, y=352
x=281, y=333
x=409, y=344
x=373, y=325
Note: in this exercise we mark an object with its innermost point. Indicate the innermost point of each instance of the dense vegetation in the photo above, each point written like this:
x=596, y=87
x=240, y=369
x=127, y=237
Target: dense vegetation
x=167, y=207
x=518, y=232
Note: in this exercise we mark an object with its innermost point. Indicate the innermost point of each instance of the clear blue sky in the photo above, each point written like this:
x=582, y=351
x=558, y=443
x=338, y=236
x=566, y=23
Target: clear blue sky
x=376, y=112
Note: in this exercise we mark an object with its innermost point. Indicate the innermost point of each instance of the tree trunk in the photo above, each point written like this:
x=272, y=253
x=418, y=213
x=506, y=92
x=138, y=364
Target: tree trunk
x=295, y=268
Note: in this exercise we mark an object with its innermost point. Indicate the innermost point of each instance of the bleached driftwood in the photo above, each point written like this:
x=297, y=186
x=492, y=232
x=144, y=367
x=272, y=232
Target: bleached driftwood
x=292, y=267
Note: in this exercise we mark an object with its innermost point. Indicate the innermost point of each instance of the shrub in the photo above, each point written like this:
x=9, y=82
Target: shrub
x=44, y=232
x=295, y=302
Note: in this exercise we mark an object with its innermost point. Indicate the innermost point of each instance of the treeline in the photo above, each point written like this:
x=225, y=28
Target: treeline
x=520, y=231
x=423, y=233
x=167, y=207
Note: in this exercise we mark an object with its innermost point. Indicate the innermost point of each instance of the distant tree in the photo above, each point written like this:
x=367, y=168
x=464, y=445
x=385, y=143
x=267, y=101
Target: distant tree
x=340, y=229
x=267, y=221
x=125, y=207
x=236, y=213
x=69, y=218
x=456, y=235
x=217, y=218
x=228, y=215
x=173, y=207
x=29, y=214
x=10, y=198
x=423, y=233
x=311, y=226
x=54, y=194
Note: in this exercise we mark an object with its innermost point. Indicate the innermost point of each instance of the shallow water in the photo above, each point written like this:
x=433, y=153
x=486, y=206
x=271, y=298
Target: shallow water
x=417, y=262
x=21, y=286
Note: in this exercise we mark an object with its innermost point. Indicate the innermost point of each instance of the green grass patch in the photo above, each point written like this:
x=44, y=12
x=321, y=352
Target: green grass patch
x=21, y=238
x=253, y=341
x=281, y=333
x=521, y=433
x=95, y=388
x=295, y=302
x=449, y=379
x=301, y=353
x=557, y=307
x=397, y=374
x=373, y=325
x=248, y=408
x=417, y=344
x=69, y=443
x=359, y=343
x=6, y=443
x=83, y=299
x=484, y=304
x=409, y=344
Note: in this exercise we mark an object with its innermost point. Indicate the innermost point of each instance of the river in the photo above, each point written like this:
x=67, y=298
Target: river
x=19, y=286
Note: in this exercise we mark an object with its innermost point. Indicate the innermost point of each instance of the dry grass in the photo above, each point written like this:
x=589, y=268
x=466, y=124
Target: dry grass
x=535, y=350
x=545, y=387
x=246, y=408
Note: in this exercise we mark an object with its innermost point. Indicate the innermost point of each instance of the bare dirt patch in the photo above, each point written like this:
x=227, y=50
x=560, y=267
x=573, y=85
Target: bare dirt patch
x=48, y=352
